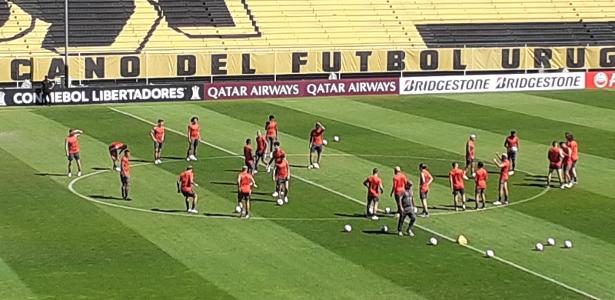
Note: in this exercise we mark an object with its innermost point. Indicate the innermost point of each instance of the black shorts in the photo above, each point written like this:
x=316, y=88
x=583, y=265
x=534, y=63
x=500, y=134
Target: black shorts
x=250, y=164
x=281, y=181
x=188, y=193
x=194, y=143
x=373, y=199
x=271, y=140
x=158, y=145
x=469, y=161
x=259, y=154
x=243, y=196
x=459, y=192
x=125, y=179
x=423, y=195
x=480, y=191
x=74, y=156
x=316, y=148
x=511, y=154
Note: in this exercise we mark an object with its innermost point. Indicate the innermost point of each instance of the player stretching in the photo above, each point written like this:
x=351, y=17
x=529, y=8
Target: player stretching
x=194, y=135
x=512, y=147
x=248, y=157
x=157, y=135
x=566, y=164
x=504, y=164
x=425, y=181
x=455, y=179
x=185, y=185
x=261, y=148
x=271, y=128
x=481, y=185
x=245, y=182
x=555, y=156
x=470, y=153
x=374, y=187
x=282, y=173
x=574, y=147
x=115, y=149
x=316, y=142
x=407, y=210
x=71, y=147
x=125, y=174
x=397, y=191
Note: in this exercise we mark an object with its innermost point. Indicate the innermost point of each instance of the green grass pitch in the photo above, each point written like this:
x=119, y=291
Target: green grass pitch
x=56, y=242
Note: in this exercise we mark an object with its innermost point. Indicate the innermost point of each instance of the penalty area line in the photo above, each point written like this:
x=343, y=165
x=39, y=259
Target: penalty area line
x=500, y=259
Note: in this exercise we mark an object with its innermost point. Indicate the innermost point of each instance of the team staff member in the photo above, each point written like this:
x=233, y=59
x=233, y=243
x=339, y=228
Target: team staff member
x=407, y=210
x=425, y=181
x=245, y=183
x=185, y=186
x=374, y=187
x=398, y=189
x=125, y=174
x=470, y=155
x=555, y=157
x=194, y=136
x=574, y=147
x=261, y=148
x=512, y=147
x=282, y=172
x=115, y=149
x=455, y=179
x=248, y=157
x=72, y=149
x=271, y=129
x=502, y=162
x=157, y=135
x=316, y=144
x=481, y=185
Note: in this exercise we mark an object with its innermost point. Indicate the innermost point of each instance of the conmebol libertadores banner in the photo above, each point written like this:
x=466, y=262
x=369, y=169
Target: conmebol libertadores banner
x=491, y=83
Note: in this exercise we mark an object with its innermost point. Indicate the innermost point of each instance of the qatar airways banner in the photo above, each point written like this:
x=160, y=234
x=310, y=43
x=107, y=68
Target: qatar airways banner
x=600, y=80
x=491, y=83
x=300, y=88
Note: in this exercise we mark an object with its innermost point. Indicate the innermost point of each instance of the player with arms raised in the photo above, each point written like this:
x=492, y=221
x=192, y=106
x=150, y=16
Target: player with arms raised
x=125, y=174
x=194, y=136
x=72, y=149
x=502, y=162
x=512, y=147
x=115, y=149
x=425, y=180
x=271, y=128
x=185, y=186
x=245, y=183
x=480, y=180
x=455, y=179
x=157, y=135
x=316, y=145
x=374, y=187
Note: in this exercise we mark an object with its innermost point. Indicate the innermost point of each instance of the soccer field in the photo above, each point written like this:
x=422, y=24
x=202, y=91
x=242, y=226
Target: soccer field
x=70, y=238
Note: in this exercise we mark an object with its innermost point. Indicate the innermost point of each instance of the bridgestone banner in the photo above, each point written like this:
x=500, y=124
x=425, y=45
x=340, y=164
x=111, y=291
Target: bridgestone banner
x=600, y=80
x=94, y=95
x=303, y=88
x=491, y=83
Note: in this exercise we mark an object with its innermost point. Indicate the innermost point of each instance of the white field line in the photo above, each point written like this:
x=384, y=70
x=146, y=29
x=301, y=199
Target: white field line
x=500, y=259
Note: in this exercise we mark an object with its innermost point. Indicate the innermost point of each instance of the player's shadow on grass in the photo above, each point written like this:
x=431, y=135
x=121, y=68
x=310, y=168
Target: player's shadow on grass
x=219, y=215
x=377, y=232
x=104, y=197
x=173, y=157
x=262, y=200
x=540, y=185
x=443, y=207
x=140, y=160
x=100, y=169
x=232, y=171
x=298, y=166
x=355, y=215
x=51, y=174
x=168, y=210
x=440, y=176
x=535, y=177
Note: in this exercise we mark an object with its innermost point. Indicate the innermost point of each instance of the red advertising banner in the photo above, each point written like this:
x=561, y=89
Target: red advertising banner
x=600, y=80
x=300, y=88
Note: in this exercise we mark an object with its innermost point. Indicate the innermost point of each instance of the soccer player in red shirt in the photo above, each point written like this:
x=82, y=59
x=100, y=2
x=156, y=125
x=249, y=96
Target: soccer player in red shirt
x=282, y=173
x=555, y=155
x=425, y=180
x=316, y=144
x=574, y=147
x=398, y=189
x=470, y=155
x=125, y=174
x=194, y=136
x=157, y=135
x=248, y=157
x=245, y=183
x=185, y=185
x=261, y=148
x=502, y=162
x=277, y=156
x=455, y=179
x=271, y=129
x=115, y=149
x=566, y=164
x=481, y=185
x=72, y=149
x=512, y=147
x=374, y=187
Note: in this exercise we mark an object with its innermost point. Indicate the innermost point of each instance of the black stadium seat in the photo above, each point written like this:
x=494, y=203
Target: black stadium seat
x=5, y=12
x=196, y=13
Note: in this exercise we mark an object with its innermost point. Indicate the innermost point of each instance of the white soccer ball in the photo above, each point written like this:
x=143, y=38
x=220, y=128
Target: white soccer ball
x=118, y=169
x=539, y=247
x=370, y=210
x=274, y=194
x=433, y=241
x=568, y=244
x=489, y=253
x=237, y=209
x=387, y=210
x=336, y=138
x=551, y=241
x=280, y=202
x=385, y=228
x=325, y=142
x=414, y=209
x=514, y=149
x=316, y=166
x=347, y=228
